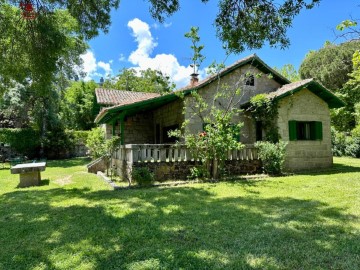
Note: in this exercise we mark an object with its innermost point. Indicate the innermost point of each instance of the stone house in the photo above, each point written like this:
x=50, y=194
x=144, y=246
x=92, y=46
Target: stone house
x=303, y=114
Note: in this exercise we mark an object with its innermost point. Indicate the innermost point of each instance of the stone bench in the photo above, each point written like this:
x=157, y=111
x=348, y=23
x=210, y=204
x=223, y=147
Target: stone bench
x=29, y=173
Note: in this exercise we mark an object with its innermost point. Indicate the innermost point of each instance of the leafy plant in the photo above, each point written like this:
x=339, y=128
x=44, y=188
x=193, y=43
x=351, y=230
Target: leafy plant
x=265, y=110
x=272, y=156
x=96, y=143
x=142, y=176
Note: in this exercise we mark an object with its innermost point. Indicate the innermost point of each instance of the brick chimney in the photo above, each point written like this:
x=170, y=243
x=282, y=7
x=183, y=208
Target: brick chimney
x=194, y=79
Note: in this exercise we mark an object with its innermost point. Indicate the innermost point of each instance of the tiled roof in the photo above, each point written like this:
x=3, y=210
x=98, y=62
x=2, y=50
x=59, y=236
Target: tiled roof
x=118, y=97
x=289, y=87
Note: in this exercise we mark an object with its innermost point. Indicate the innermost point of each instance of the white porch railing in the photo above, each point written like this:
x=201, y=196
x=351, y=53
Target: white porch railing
x=171, y=153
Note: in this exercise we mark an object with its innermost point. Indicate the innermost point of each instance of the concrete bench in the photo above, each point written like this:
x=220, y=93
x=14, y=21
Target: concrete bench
x=29, y=173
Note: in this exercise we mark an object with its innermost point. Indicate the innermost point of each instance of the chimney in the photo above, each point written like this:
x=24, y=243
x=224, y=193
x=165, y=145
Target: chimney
x=194, y=79
x=101, y=81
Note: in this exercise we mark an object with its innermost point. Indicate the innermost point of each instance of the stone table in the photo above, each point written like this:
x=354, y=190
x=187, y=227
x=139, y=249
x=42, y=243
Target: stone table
x=29, y=173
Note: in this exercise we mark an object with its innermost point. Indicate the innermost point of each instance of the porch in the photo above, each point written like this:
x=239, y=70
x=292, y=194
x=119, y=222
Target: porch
x=169, y=161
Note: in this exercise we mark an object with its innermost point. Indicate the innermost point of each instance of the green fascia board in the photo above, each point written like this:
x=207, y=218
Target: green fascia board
x=331, y=99
x=137, y=107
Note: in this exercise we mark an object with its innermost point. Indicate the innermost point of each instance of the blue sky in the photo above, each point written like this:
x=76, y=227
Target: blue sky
x=136, y=40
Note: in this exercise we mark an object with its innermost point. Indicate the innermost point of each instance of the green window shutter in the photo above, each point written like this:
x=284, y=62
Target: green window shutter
x=313, y=130
x=318, y=131
x=292, y=130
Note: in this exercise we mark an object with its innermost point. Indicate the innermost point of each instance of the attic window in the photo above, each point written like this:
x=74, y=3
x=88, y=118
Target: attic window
x=250, y=80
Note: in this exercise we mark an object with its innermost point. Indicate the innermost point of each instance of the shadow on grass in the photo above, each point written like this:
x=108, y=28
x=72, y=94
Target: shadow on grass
x=184, y=227
x=335, y=169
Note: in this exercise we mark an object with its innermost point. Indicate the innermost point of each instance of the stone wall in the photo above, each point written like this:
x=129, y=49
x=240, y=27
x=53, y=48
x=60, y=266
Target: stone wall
x=231, y=81
x=164, y=171
x=302, y=155
x=168, y=115
x=139, y=129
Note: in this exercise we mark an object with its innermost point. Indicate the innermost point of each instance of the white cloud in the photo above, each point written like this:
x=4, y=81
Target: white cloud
x=166, y=63
x=106, y=67
x=166, y=25
x=91, y=66
x=122, y=58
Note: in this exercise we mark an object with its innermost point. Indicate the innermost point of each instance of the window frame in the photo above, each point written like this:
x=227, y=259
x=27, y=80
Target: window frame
x=305, y=130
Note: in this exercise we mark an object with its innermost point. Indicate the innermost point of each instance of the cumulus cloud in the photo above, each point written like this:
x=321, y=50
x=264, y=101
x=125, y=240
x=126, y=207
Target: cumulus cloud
x=91, y=66
x=166, y=63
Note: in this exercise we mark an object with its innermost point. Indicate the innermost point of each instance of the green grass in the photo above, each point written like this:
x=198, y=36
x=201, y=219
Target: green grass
x=74, y=221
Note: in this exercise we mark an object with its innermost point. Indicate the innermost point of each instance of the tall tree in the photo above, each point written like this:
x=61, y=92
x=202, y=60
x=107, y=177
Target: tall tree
x=78, y=106
x=289, y=72
x=331, y=65
x=242, y=24
x=149, y=80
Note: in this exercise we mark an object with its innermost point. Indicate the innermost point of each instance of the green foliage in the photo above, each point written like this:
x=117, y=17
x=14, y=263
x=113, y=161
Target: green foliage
x=346, y=24
x=266, y=110
x=289, y=72
x=78, y=136
x=96, y=143
x=197, y=57
x=331, y=65
x=78, y=106
x=345, y=119
x=344, y=144
x=246, y=24
x=151, y=81
x=23, y=141
x=272, y=156
x=142, y=176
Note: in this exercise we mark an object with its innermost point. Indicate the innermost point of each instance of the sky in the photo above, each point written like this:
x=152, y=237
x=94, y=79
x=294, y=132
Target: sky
x=136, y=40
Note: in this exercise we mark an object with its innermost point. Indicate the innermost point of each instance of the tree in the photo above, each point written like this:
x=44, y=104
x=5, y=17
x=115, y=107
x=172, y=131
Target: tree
x=331, y=65
x=242, y=24
x=78, y=106
x=220, y=134
x=289, y=72
x=346, y=118
x=91, y=15
x=39, y=54
x=149, y=80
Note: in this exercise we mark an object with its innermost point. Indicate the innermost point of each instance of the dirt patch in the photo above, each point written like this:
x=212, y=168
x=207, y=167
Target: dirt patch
x=64, y=181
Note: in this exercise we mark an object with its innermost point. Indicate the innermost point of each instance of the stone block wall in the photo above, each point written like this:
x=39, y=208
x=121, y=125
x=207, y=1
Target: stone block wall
x=164, y=171
x=233, y=81
x=169, y=115
x=139, y=129
x=307, y=154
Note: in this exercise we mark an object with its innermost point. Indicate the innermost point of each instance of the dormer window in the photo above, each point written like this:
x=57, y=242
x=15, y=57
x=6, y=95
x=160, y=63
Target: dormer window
x=250, y=80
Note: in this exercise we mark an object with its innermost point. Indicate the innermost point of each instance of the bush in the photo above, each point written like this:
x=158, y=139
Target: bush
x=23, y=141
x=345, y=145
x=272, y=156
x=78, y=136
x=142, y=176
x=96, y=142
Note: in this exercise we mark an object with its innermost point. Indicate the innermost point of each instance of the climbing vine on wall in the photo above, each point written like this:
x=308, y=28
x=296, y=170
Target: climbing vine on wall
x=265, y=110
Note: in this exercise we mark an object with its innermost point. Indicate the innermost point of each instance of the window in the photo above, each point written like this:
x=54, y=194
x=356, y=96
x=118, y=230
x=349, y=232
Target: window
x=250, y=80
x=305, y=130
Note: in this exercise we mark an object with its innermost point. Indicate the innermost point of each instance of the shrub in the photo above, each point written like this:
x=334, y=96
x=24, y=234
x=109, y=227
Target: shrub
x=78, y=136
x=142, y=176
x=24, y=141
x=272, y=156
x=96, y=143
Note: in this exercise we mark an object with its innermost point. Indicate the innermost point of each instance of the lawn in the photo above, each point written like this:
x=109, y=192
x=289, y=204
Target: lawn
x=75, y=221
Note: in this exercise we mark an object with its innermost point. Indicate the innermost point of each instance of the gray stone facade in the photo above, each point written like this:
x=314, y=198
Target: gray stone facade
x=306, y=154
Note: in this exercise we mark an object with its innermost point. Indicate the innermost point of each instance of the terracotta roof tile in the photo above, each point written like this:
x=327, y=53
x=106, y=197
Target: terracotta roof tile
x=118, y=97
